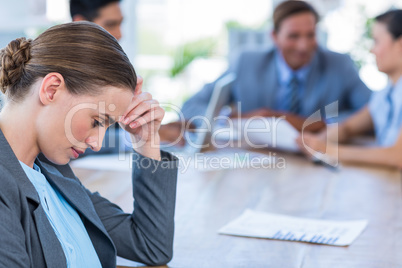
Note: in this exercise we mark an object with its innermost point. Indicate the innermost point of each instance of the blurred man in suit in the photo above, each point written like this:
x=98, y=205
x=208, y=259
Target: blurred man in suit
x=105, y=13
x=295, y=78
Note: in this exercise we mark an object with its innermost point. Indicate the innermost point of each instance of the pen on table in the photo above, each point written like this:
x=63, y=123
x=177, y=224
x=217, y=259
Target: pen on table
x=321, y=159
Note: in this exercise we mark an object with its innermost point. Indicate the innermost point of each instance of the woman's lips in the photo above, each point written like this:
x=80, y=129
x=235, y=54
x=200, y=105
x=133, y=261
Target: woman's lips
x=76, y=152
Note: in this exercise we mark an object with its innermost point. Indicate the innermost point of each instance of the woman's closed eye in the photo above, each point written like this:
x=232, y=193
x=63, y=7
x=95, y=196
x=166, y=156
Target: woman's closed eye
x=98, y=123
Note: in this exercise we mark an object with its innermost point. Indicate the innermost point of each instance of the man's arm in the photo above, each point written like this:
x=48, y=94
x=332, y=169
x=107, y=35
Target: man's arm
x=295, y=120
x=197, y=104
x=358, y=124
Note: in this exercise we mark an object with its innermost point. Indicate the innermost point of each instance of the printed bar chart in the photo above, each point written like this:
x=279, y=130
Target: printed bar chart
x=281, y=227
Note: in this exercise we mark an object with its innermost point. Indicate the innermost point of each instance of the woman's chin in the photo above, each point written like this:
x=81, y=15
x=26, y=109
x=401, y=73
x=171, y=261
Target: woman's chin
x=58, y=160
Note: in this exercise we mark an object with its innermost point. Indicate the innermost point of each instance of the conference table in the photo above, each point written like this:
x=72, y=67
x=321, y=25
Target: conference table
x=209, y=198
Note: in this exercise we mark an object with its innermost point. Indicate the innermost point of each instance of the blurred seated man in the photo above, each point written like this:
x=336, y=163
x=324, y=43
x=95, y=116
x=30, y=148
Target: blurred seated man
x=295, y=78
x=105, y=13
x=108, y=15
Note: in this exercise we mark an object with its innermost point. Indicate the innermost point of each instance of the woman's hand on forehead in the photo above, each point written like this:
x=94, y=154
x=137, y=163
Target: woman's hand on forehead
x=144, y=115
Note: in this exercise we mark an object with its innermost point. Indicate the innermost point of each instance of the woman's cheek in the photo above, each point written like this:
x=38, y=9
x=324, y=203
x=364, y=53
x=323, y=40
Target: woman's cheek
x=80, y=128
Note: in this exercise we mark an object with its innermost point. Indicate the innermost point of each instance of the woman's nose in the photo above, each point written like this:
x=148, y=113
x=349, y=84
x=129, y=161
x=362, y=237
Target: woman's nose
x=95, y=145
x=95, y=140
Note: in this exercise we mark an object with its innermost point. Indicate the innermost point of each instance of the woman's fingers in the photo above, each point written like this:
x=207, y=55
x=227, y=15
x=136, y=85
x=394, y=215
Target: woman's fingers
x=137, y=100
x=155, y=114
x=140, y=110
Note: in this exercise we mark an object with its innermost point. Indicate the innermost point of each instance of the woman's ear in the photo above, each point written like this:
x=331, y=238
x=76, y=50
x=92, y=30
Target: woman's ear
x=52, y=84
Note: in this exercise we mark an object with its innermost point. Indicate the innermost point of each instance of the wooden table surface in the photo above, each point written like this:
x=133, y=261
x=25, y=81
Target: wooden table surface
x=207, y=200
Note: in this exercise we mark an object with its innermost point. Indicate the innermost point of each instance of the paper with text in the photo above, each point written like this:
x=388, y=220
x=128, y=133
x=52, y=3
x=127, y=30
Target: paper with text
x=275, y=226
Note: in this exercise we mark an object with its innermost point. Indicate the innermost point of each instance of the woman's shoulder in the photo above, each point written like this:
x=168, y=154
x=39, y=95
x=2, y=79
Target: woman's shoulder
x=11, y=188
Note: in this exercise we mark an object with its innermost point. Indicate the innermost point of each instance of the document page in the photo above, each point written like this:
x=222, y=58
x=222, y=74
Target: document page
x=281, y=227
x=269, y=132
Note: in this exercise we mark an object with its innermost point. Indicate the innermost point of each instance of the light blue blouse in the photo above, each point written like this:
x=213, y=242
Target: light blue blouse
x=66, y=222
x=385, y=108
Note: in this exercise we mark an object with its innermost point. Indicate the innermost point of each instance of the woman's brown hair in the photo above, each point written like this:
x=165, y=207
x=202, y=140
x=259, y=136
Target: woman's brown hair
x=86, y=55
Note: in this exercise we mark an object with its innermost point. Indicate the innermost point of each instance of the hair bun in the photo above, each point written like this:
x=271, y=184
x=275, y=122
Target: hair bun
x=13, y=59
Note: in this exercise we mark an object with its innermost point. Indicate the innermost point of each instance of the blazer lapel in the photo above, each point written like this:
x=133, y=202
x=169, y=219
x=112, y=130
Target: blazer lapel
x=10, y=162
x=269, y=83
x=52, y=249
x=312, y=96
x=73, y=191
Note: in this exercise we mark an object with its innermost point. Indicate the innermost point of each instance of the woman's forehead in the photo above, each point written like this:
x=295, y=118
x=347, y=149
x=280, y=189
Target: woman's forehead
x=379, y=28
x=112, y=101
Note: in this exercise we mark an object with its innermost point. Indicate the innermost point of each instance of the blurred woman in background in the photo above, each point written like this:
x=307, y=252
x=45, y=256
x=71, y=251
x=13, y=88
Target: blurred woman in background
x=383, y=114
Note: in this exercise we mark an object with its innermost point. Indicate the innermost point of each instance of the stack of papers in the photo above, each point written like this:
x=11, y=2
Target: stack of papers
x=260, y=132
x=270, y=132
x=274, y=226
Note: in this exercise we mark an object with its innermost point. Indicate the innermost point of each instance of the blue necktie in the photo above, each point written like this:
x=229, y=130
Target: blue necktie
x=294, y=102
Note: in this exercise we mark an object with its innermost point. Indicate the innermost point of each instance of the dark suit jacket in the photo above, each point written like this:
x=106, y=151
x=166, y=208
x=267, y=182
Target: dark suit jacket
x=28, y=240
x=333, y=77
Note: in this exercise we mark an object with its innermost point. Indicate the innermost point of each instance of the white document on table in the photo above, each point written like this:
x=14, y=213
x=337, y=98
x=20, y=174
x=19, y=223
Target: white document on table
x=111, y=162
x=268, y=132
x=281, y=227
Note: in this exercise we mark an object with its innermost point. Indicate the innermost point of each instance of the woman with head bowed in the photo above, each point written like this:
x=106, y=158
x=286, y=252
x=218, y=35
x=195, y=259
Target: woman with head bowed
x=63, y=90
